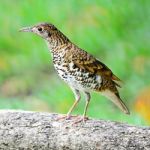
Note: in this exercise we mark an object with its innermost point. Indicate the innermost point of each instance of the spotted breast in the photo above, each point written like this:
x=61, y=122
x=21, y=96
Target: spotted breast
x=76, y=77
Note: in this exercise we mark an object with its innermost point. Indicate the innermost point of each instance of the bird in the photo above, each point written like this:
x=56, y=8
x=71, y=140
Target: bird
x=79, y=69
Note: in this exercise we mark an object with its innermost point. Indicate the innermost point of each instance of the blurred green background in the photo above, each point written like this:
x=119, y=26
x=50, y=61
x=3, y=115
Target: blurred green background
x=116, y=32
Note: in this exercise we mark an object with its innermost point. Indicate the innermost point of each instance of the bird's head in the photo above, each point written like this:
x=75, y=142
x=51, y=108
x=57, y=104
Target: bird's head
x=45, y=30
x=48, y=32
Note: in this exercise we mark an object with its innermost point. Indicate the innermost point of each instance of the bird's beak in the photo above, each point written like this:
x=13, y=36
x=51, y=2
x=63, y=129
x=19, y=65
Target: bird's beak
x=26, y=29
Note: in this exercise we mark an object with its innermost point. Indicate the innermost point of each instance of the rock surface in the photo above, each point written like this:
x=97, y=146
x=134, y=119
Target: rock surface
x=21, y=130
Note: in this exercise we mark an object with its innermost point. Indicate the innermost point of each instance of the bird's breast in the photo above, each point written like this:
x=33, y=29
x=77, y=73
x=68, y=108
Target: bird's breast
x=77, y=77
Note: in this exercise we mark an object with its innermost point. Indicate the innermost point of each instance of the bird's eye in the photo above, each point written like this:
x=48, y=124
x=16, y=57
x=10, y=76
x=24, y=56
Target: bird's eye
x=40, y=29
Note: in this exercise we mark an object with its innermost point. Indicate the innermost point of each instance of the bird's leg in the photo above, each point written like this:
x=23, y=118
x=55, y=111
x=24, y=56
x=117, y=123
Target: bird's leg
x=83, y=117
x=77, y=99
x=72, y=107
x=86, y=106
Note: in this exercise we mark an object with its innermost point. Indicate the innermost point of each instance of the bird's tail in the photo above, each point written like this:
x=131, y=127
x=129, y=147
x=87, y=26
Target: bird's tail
x=115, y=98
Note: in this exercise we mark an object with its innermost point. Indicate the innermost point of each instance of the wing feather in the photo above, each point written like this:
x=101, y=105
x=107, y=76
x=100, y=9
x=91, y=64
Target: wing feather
x=88, y=62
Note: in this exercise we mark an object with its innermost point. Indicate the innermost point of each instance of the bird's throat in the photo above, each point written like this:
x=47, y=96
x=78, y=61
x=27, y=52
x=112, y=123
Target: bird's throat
x=57, y=42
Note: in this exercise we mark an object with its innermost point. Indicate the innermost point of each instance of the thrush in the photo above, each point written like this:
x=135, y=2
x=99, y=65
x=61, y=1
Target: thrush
x=79, y=69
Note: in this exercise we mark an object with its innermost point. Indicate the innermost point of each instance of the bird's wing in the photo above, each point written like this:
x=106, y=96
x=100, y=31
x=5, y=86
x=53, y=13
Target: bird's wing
x=88, y=62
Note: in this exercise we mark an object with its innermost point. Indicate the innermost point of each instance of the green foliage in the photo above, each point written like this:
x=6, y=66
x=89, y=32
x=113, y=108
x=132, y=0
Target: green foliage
x=116, y=32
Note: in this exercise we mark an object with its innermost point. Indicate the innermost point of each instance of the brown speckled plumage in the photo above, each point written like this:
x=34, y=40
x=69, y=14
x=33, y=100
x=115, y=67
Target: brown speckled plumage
x=79, y=69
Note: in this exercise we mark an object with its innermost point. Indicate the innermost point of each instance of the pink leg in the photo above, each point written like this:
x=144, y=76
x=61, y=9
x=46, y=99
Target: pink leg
x=68, y=115
x=83, y=117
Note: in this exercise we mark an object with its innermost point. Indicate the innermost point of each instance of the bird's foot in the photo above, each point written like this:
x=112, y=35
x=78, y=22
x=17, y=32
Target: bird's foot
x=65, y=117
x=81, y=119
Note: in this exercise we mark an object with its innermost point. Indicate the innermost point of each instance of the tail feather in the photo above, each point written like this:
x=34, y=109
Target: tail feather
x=116, y=100
x=114, y=77
x=117, y=81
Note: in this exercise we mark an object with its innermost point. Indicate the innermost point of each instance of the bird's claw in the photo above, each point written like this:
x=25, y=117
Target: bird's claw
x=81, y=119
x=65, y=117
x=77, y=120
